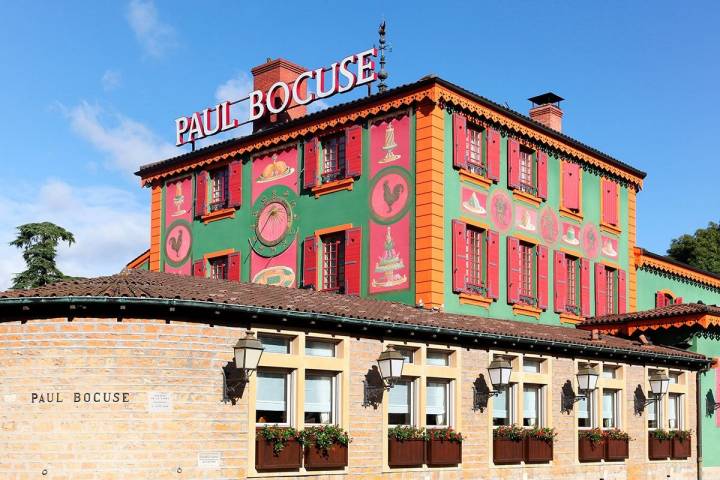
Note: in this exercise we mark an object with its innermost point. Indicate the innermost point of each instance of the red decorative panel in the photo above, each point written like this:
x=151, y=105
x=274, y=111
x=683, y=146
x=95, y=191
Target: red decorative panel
x=178, y=228
x=279, y=167
x=459, y=255
x=278, y=270
x=473, y=201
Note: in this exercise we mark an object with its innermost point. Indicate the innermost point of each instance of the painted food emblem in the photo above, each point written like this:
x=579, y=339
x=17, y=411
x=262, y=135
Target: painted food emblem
x=273, y=223
x=571, y=234
x=609, y=247
x=178, y=242
x=275, y=171
x=280, y=276
x=590, y=240
x=473, y=201
x=549, y=226
x=501, y=210
x=389, y=195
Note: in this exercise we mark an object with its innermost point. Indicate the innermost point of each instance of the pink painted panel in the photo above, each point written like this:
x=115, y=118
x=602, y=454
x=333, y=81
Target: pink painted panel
x=609, y=247
x=526, y=219
x=473, y=201
x=277, y=168
x=501, y=210
x=178, y=232
x=549, y=226
x=591, y=240
x=570, y=234
x=389, y=256
x=279, y=270
x=390, y=143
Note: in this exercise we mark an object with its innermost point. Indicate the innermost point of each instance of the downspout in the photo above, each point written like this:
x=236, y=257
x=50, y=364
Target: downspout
x=698, y=422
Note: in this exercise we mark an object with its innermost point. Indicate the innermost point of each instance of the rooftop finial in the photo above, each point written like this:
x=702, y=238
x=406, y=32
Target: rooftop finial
x=382, y=74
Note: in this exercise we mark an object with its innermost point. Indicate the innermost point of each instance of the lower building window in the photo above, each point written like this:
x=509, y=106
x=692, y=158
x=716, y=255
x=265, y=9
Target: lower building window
x=273, y=397
x=527, y=180
x=654, y=415
x=401, y=403
x=610, y=288
x=218, y=189
x=532, y=405
x=610, y=406
x=473, y=152
x=320, y=398
x=503, y=407
x=476, y=260
x=333, y=261
x=437, y=403
x=585, y=409
x=572, y=300
x=527, y=274
x=675, y=411
x=219, y=268
x=333, y=166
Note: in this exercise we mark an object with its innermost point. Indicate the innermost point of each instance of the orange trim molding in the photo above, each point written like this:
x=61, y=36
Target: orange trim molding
x=218, y=253
x=218, y=215
x=606, y=227
x=632, y=232
x=527, y=198
x=477, y=300
x=471, y=177
x=334, y=186
x=570, y=318
x=642, y=261
x=336, y=228
x=155, y=229
x=139, y=260
x=530, y=311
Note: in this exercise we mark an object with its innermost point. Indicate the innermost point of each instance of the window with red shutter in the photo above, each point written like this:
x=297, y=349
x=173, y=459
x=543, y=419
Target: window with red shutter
x=199, y=268
x=493, y=264
x=513, y=270
x=353, y=253
x=476, y=263
x=310, y=262
x=219, y=268
x=310, y=162
x=528, y=279
x=571, y=186
x=333, y=158
x=459, y=253
x=332, y=255
x=218, y=189
x=492, y=137
x=234, y=260
x=660, y=300
x=459, y=141
x=353, y=151
x=201, y=194
x=474, y=151
x=678, y=301
x=235, y=184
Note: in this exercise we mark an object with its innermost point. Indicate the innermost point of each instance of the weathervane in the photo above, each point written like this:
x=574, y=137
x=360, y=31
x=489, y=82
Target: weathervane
x=383, y=74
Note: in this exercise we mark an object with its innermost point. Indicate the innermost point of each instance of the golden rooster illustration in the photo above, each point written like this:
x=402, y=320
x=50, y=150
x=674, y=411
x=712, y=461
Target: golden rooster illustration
x=391, y=195
x=176, y=243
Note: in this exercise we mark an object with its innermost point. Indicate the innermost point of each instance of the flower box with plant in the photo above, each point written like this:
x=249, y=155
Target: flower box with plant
x=591, y=445
x=444, y=447
x=277, y=448
x=406, y=446
x=659, y=444
x=539, y=444
x=681, y=444
x=325, y=447
x=616, y=445
x=508, y=444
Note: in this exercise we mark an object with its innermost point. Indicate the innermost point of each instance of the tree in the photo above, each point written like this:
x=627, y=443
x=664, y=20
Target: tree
x=700, y=250
x=39, y=242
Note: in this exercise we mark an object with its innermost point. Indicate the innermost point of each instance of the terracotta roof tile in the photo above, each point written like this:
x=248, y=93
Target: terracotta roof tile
x=153, y=285
x=655, y=313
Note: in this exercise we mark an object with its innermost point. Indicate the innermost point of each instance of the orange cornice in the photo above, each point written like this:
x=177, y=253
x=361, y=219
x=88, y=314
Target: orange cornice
x=499, y=118
x=667, y=267
x=139, y=260
x=628, y=329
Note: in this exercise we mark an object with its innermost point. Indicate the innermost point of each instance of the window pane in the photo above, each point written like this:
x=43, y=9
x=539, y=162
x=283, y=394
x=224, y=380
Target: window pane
x=275, y=344
x=652, y=417
x=674, y=377
x=584, y=412
x=436, y=403
x=437, y=358
x=675, y=411
x=399, y=408
x=318, y=398
x=271, y=402
x=609, y=409
x=609, y=371
x=531, y=406
x=531, y=365
x=501, y=407
x=407, y=353
x=320, y=348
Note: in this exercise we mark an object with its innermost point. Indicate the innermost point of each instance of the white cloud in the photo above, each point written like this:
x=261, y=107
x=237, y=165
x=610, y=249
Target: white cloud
x=128, y=143
x=316, y=106
x=111, y=226
x=154, y=36
x=111, y=80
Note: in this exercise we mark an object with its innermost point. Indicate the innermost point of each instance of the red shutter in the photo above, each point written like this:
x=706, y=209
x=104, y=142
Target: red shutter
x=353, y=151
x=492, y=137
x=513, y=164
x=493, y=264
x=542, y=277
x=585, y=287
x=622, y=307
x=600, y=291
x=459, y=140
x=659, y=299
x=571, y=185
x=610, y=202
x=513, y=267
x=615, y=203
x=235, y=184
x=310, y=158
x=234, y=267
x=560, y=284
x=353, y=254
x=678, y=300
x=200, y=193
x=199, y=268
x=310, y=263
x=459, y=255
x=542, y=174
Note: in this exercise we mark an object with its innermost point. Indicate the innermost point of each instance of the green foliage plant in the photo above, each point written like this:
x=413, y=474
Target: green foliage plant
x=700, y=250
x=39, y=242
x=595, y=435
x=279, y=436
x=445, y=434
x=545, y=434
x=509, y=432
x=403, y=433
x=324, y=436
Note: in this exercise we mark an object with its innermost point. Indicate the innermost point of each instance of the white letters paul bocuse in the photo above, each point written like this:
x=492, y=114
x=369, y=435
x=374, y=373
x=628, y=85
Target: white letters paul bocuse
x=350, y=72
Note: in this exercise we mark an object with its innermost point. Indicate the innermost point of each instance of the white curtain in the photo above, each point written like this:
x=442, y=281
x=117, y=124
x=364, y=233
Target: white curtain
x=608, y=409
x=651, y=411
x=271, y=392
x=400, y=398
x=530, y=402
x=500, y=404
x=319, y=349
x=436, y=398
x=318, y=393
x=583, y=410
x=673, y=403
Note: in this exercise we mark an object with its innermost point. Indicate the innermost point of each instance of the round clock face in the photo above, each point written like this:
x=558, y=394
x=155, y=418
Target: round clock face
x=273, y=222
x=178, y=241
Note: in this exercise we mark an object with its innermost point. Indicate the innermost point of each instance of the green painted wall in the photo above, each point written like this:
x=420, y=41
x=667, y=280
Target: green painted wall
x=709, y=345
x=649, y=281
x=590, y=210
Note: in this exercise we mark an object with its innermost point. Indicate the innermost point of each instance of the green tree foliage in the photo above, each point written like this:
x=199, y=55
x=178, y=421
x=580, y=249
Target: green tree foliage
x=701, y=250
x=39, y=242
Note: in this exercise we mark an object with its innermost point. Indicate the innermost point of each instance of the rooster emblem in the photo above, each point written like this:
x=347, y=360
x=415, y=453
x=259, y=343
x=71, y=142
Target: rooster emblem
x=391, y=195
x=176, y=243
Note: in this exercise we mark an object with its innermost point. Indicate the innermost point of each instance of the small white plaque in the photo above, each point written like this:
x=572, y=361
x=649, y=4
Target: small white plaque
x=209, y=460
x=159, y=401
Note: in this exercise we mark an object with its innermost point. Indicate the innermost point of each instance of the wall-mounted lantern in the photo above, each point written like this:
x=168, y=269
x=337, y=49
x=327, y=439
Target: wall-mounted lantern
x=659, y=384
x=587, y=379
x=390, y=367
x=247, y=351
x=499, y=372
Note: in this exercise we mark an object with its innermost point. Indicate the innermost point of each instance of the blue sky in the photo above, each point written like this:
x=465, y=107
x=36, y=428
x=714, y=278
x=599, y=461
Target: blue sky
x=90, y=91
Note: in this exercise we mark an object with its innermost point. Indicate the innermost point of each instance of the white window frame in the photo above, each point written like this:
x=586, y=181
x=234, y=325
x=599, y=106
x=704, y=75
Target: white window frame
x=511, y=392
x=324, y=341
x=335, y=392
x=659, y=417
x=289, y=397
x=535, y=360
x=540, y=403
x=591, y=400
x=446, y=353
x=288, y=338
x=680, y=413
x=616, y=408
x=413, y=403
x=449, y=401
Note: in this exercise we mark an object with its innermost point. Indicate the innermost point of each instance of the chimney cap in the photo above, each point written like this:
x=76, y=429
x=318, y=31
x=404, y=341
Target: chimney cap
x=546, y=98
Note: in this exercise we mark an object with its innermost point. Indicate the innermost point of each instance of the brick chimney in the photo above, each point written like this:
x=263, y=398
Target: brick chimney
x=546, y=110
x=278, y=70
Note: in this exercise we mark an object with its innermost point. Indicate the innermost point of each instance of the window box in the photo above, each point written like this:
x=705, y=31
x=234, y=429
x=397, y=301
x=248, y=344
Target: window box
x=538, y=450
x=616, y=450
x=266, y=458
x=335, y=456
x=680, y=447
x=590, y=451
x=443, y=452
x=506, y=450
x=659, y=446
x=406, y=453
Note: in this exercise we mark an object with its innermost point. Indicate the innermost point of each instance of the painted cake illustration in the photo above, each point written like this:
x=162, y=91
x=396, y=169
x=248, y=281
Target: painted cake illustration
x=526, y=222
x=178, y=200
x=570, y=237
x=608, y=249
x=390, y=145
x=472, y=204
x=388, y=265
x=275, y=170
x=280, y=276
